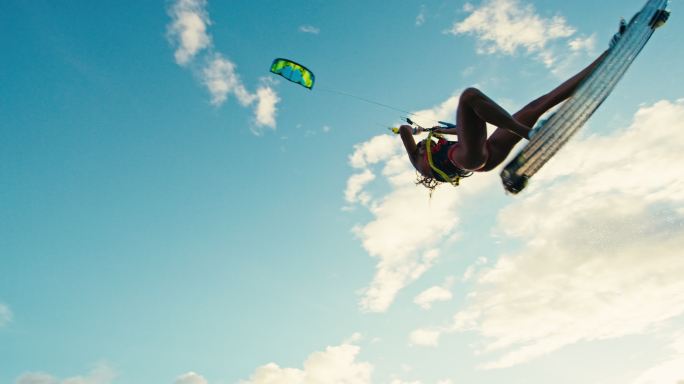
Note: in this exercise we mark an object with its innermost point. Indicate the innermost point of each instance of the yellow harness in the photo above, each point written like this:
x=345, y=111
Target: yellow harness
x=428, y=143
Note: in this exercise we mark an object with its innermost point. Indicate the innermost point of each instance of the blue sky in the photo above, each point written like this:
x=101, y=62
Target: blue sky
x=170, y=212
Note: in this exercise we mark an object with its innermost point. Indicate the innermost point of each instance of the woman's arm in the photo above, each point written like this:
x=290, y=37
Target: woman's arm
x=446, y=131
x=406, y=133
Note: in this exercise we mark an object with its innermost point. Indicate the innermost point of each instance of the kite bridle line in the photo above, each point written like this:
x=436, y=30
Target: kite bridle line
x=369, y=101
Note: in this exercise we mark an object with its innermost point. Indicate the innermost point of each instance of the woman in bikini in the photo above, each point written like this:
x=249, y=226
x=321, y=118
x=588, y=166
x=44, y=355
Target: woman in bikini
x=474, y=151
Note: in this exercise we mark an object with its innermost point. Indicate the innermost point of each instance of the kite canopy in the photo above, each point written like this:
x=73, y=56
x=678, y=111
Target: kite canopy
x=294, y=72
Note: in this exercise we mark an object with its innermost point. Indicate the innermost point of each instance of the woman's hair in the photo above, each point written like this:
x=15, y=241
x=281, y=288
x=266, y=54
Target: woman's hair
x=428, y=182
x=431, y=182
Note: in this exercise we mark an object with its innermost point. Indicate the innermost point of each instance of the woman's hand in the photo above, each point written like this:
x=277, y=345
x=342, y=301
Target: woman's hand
x=410, y=129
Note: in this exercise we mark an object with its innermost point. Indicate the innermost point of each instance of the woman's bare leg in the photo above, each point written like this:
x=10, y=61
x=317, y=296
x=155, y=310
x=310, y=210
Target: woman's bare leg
x=474, y=105
x=502, y=141
x=530, y=113
x=475, y=109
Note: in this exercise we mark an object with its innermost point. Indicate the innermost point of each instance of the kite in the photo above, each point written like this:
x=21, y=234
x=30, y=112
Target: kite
x=293, y=72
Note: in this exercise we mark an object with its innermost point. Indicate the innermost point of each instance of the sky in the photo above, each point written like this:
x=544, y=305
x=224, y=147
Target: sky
x=171, y=212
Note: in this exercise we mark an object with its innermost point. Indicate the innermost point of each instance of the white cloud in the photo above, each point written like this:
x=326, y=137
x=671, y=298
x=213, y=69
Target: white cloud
x=422, y=15
x=375, y=150
x=468, y=71
x=586, y=43
x=101, y=374
x=5, y=315
x=446, y=111
x=408, y=227
x=266, y=110
x=188, y=29
x=309, y=29
x=433, y=294
x=396, y=380
x=580, y=48
x=221, y=79
x=354, y=192
x=336, y=364
x=404, y=249
x=355, y=338
x=670, y=371
x=507, y=26
x=425, y=337
x=472, y=269
x=602, y=233
x=36, y=378
x=191, y=378
x=430, y=295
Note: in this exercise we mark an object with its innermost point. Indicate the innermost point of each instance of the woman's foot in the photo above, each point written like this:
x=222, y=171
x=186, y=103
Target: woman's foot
x=616, y=37
x=660, y=18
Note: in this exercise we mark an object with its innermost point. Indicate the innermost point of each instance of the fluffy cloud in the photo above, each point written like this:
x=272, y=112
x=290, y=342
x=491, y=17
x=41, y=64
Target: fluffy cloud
x=408, y=227
x=334, y=365
x=309, y=29
x=472, y=270
x=191, y=378
x=587, y=43
x=188, y=31
x=507, y=26
x=425, y=337
x=265, y=110
x=404, y=248
x=101, y=374
x=602, y=228
x=399, y=381
x=221, y=79
x=355, y=184
x=36, y=378
x=436, y=293
x=670, y=371
x=5, y=315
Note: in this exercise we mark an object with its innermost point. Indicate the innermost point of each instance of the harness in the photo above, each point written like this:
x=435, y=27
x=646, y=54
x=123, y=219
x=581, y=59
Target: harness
x=460, y=173
x=453, y=180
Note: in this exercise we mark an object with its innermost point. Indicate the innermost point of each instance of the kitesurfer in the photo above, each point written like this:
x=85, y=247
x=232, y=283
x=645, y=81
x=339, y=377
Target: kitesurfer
x=474, y=151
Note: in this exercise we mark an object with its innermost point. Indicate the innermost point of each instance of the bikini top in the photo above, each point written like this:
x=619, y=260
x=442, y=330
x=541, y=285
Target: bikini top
x=440, y=158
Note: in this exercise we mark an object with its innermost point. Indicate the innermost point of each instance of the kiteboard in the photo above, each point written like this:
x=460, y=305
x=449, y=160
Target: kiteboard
x=553, y=133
